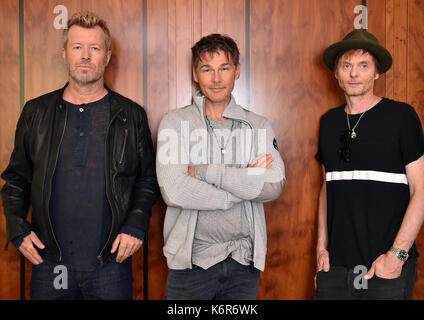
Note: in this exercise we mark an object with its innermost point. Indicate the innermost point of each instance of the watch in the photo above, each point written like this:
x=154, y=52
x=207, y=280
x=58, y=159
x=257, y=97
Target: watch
x=400, y=253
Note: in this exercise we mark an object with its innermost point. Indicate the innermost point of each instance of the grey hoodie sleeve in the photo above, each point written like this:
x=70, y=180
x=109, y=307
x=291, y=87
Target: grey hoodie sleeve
x=178, y=189
x=254, y=184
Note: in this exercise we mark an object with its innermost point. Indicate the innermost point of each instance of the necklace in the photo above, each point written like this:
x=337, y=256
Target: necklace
x=352, y=132
x=224, y=146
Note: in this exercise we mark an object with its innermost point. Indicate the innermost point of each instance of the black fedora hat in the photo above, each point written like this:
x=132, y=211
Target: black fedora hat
x=359, y=39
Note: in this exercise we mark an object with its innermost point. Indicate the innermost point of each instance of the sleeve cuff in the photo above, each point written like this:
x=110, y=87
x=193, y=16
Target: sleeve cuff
x=134, y=232
x=17, y=241
x=200, y=172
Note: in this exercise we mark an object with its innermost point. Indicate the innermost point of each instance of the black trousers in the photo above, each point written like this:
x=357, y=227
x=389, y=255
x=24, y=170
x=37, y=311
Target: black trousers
x=340, y=283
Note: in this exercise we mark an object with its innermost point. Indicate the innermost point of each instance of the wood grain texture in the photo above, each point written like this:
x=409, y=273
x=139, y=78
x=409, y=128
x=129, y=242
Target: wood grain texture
x=415, y=95
x=9, y=113
x=377, y=26
x=291, y=86
x=228, y=17
x=396, y=38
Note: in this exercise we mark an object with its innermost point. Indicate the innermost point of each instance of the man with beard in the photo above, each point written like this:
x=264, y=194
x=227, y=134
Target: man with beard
x=84, y=159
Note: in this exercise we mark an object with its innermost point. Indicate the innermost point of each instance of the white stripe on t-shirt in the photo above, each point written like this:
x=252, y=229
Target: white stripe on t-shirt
x=367, y=175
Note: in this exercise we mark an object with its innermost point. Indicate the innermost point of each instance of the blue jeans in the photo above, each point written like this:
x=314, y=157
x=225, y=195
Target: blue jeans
x=339, y=284
x=227, y=280
x=109, y=281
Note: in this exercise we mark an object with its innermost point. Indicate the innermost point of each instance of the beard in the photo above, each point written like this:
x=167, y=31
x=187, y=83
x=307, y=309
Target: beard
x=87, y=76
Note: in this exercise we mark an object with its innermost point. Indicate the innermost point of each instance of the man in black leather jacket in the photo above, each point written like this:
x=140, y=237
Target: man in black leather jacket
x=84, y=159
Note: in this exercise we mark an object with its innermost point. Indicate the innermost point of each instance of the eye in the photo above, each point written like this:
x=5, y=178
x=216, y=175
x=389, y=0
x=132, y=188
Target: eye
x=364, y=66
x=95, y=48
x=76, y=47
x=346, y=66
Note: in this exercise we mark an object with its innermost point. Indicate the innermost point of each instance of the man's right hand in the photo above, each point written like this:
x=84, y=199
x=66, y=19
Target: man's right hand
x=28, y=250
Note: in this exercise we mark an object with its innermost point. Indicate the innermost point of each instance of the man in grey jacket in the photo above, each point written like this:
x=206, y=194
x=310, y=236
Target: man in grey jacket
x=216, y=164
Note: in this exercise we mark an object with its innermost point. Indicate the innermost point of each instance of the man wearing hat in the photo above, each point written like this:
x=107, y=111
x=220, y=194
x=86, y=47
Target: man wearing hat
x=371, y=204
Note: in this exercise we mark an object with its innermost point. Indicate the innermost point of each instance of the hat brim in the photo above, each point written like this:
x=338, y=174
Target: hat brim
x=384, y=57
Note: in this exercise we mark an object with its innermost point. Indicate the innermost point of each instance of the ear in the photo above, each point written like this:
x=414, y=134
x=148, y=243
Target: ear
x=377, y=75
x=335, y=75
x=195, y=78
x=109, y=55
x=64, y=55
x=237, y=75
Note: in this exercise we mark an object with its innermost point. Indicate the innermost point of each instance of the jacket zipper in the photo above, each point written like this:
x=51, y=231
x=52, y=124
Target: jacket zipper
x=121, y=159
x=252, y=264
x=250, y=126
x=99, y=257
x=51, y=181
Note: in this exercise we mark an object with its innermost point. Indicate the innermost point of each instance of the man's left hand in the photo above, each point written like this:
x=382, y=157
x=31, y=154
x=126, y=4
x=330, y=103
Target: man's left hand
x=128, y=245
x=386, y=266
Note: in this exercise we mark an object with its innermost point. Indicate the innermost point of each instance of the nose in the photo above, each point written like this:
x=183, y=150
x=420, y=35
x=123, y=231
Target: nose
x=86, y=53
x=353, y=71
x=216, y=77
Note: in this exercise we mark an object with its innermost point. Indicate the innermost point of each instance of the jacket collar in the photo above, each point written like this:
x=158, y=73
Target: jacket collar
x=233, y=110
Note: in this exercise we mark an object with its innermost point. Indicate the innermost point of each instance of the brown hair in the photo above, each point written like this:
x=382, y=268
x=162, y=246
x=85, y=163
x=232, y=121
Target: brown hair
x=212, y=44
x=350, y=52
x=88, y=20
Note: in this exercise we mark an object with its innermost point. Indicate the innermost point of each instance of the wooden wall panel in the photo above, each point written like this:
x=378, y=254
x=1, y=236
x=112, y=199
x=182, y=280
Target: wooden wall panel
x=283, y=78
x=415, y=95
x=376, y=25
x=291, y=87
x=9, y=113
x=228, y=17
x=396, y=38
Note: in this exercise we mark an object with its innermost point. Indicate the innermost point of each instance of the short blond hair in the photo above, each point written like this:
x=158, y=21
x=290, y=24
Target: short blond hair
x=87, y=19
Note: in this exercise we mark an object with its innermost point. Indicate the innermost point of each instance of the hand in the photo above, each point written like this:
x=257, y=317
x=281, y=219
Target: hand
x=28, y=250
x=191, y=171
x=127, y=246
x=323, y=263
x=386, y=266
x=262, y=161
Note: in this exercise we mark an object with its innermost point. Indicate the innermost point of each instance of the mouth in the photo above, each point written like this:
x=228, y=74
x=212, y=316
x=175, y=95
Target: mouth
x=217, y=89
x=84, y=66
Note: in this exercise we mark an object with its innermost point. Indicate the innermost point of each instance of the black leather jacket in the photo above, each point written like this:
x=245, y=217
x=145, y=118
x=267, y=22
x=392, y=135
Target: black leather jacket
x=131, y=185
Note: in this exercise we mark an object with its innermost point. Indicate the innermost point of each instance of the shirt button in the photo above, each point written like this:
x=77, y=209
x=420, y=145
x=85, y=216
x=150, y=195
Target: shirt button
x=81, y=109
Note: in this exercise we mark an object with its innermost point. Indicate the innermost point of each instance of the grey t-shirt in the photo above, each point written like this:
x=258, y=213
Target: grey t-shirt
x=222, y=233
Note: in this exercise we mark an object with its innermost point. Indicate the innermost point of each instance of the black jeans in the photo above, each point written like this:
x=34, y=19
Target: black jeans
x=227, y=280
x=343, y=284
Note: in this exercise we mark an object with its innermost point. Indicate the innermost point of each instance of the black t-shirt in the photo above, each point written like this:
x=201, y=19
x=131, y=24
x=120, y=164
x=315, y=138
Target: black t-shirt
x=368, y=196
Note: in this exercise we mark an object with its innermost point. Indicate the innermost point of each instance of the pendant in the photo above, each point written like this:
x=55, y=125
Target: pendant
x=353, y=134
x=223, y=151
